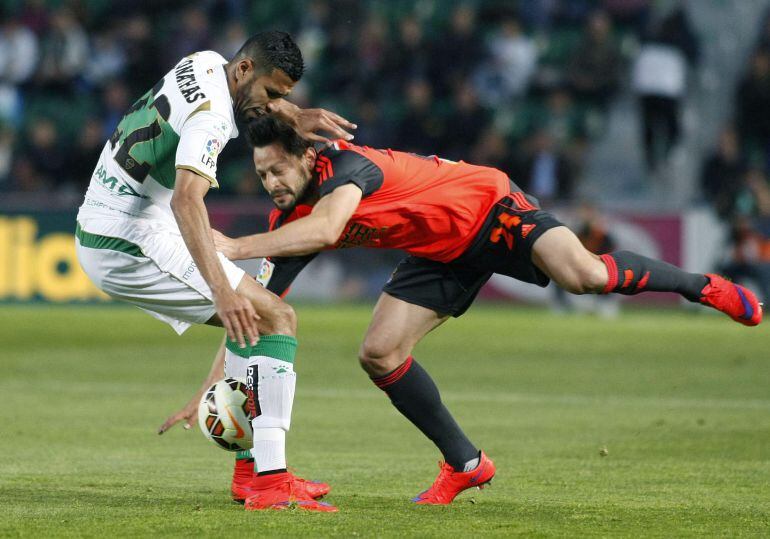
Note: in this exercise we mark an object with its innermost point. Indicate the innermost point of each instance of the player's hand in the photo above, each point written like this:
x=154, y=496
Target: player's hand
x=310, y=122
x=188, y=414
x=226, y=245
x=238, y=317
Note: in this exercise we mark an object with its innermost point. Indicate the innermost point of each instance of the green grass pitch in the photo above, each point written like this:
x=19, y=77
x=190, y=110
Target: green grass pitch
x=680, y=401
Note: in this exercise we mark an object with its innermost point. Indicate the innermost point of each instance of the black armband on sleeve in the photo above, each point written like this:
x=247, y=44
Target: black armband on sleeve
x=335, y=168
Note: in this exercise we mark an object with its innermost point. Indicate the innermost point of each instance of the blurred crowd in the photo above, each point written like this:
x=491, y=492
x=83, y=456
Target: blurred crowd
x=734, y=177
x=521, y=85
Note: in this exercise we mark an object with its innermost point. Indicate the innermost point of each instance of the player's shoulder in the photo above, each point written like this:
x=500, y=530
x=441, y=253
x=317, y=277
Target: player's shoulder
x=342, y=157
x=200, y=91
x=208, y=57
x=342, y=163
x=204, y=70
x=340, y=147
x=213, y=79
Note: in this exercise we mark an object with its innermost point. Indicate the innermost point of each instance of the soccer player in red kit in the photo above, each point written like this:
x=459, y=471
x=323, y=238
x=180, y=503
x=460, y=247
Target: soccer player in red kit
x=459, y=223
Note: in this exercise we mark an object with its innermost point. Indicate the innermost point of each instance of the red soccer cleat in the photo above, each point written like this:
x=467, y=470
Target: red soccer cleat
x=279, y=492
x=243, y=476
x=245, y=481
x=450, y=483
x=737, y=302
x=315, y=489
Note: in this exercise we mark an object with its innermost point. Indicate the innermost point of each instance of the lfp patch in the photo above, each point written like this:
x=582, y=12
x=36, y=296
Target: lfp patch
x=265, y=272
x=213, y=147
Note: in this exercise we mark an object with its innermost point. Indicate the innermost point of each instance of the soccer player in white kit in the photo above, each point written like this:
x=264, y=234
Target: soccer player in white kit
x=143, y=234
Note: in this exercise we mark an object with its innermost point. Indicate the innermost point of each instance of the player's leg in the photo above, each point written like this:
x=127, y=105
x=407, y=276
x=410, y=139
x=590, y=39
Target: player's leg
x=385, y=355
x=159, y=277
x=243, y=474
x=559, y=254
x=274, y=352
x=420, y=296
x=270, y=379
x=396, y=327
x=244, y=478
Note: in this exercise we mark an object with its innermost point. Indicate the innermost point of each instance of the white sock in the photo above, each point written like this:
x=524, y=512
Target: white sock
x=269, y=450
x=270, y=375
x=235, y=365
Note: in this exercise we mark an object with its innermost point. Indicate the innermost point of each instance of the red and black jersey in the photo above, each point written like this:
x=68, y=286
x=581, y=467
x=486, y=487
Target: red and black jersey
x=426, y=206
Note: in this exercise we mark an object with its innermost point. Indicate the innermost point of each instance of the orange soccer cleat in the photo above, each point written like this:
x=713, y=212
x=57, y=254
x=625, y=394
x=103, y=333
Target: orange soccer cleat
x=280, y=491
x=245, y=481
x=737, y=302
x=450, y=483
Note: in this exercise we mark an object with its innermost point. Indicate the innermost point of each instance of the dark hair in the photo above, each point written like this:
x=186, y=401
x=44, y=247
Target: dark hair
x=274, y=50
x=268, y=129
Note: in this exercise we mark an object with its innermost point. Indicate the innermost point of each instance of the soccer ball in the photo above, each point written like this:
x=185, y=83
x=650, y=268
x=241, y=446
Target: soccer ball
x=223, y=415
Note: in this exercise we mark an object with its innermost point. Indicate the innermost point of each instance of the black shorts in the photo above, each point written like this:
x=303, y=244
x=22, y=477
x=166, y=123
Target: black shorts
x=503, y=245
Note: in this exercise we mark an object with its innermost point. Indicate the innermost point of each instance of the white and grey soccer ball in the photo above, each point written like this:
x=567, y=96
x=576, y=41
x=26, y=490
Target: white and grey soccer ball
x=223, y=415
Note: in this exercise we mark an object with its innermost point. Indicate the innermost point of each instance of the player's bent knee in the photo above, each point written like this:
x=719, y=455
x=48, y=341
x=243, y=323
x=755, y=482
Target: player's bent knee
x=583, y=283
x=572, y=285
x=378, y=359
x=586, y=276
x=589, y=276
x=278, y=318
x=286, y=319
x=594, y=278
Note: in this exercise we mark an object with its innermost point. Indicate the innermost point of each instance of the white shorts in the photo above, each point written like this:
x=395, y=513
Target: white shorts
x=155, y=272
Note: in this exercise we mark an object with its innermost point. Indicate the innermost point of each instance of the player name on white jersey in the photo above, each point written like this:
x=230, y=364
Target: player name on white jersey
x=184, y=121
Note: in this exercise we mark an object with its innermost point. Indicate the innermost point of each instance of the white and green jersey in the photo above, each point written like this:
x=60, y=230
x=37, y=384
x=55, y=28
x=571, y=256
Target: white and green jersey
x=184, y=121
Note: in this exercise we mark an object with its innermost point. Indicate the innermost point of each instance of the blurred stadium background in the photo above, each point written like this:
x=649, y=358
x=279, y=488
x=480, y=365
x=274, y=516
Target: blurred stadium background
x=642, y=123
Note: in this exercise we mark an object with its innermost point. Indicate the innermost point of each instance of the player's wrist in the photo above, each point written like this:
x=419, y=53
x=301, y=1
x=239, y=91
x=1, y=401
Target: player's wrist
x=241, y=249
x=220, y=290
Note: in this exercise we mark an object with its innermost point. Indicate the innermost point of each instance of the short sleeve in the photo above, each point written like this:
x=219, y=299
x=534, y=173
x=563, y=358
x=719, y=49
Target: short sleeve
x=335, y=168
x=203, y=137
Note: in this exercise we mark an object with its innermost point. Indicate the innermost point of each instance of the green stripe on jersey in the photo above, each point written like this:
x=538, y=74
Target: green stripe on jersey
x=281, y=347
x=95, y=241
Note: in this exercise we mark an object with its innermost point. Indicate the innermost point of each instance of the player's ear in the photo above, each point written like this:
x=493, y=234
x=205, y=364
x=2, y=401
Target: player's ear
x=243, y=68
x=309, y=157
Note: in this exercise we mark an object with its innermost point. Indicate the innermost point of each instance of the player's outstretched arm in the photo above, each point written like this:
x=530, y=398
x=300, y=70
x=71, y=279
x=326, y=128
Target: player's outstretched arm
x=309, y=122
x=189, y=413
x=306, y=235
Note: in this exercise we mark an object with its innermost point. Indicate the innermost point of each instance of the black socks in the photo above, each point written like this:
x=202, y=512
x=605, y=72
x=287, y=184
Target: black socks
x=413, y=393
x=630, y=273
